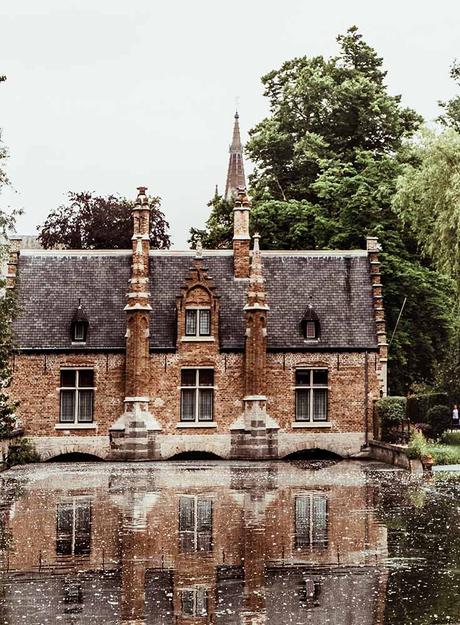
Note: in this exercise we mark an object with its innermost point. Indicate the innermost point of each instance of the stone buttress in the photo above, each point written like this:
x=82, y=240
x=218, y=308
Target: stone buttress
x=132, y=436
x=255, y=434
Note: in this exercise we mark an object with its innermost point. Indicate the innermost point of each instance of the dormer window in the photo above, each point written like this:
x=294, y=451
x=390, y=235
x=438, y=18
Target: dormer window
x=79, y=325
x=79, y=331
x=197, y=322
x=310, y=327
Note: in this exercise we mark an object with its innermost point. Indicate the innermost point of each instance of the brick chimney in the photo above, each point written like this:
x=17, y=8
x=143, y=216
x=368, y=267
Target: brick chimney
x=255, y=433
x=373, y=249
x=130, y=433
x=255, y=312
x=241, y=238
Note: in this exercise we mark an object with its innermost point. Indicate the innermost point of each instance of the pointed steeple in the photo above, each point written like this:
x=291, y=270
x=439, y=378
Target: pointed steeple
x=235, y=175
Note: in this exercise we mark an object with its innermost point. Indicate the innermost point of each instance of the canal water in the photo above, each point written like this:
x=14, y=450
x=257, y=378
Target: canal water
x=228, y=543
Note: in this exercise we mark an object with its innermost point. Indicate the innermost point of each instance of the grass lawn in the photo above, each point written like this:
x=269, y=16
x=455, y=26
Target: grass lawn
x=444, y=454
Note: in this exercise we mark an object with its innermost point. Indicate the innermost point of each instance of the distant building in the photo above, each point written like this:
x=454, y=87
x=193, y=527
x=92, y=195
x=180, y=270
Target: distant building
x=144, y=354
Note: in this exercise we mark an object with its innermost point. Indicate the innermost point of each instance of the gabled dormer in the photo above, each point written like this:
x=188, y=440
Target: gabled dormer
x=79, y=326
x=198, y=306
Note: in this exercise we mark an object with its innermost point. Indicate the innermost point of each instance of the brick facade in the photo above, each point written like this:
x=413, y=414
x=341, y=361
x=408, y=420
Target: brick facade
x=210, y=364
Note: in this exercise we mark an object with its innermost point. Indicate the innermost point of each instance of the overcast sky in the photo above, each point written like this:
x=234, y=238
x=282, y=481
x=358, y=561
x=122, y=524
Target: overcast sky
x=110, y=95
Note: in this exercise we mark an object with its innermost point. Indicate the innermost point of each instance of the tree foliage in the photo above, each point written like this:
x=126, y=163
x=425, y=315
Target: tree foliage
x=89, y=221
x=451, y=109
x=428, y=198
x=326, y=163
x=218, y=232
x=7, y=310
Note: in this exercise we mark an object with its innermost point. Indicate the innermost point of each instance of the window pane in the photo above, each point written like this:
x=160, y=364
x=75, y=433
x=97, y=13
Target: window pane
x=79, y=331
x=206, y=377
x=82, y=528
x=64, y=523
x=204, y=524
x=187, y=602
x=188, y=377
x=67, y=406
x=186, y=513
x=302, y=521
x=85, y=406
x=205, y=406
x=204, y=514
x=68, y=377
x=201, y=602
x=205, y=322
x=320, y=404
x=188, y=405
x=302, y=377
x=190, y=322
x=320, y=377
x=86, y=377
x=303, y=405
x=311, y=330
x=319, y=534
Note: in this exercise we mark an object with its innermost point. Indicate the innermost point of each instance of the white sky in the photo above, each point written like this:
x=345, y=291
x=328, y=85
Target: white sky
x=109, y=95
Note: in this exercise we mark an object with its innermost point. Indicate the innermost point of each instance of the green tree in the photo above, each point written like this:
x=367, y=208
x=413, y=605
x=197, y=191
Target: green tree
x=428, y=201
x=451, y=115
x=7, y=309
x=93, y=222
x=428, y=198
x=218, y=232
x=326, y=163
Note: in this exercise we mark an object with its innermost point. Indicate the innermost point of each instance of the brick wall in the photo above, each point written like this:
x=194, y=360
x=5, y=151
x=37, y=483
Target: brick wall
x=36, y=384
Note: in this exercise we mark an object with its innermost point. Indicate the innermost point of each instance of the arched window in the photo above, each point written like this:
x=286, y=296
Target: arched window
x=79, y=325
x=310, y=326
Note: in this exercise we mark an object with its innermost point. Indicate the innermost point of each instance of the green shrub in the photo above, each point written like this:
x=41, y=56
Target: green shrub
x=444, y=454
x=451, y=438
x=419, y=405
x=391, y=412
x=22, y=452
x=440, y=420
x=417, y=447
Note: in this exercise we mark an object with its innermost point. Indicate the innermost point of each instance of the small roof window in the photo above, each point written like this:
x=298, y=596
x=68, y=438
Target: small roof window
x=79, y=325
x=310, y=327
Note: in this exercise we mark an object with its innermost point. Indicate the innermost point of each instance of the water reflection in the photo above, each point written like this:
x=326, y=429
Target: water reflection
x=224, y=543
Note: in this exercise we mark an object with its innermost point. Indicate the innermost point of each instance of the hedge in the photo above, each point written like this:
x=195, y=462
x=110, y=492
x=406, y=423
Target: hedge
x=391, y=412
x=440, y=420
x=419, y=405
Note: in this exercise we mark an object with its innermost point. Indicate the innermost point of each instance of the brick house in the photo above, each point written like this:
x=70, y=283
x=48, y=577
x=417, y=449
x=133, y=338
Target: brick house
x=145, y=354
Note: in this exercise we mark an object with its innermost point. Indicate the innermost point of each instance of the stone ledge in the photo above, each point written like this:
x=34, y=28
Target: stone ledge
x=311, y=424
x=75, y=426
x=197, y=424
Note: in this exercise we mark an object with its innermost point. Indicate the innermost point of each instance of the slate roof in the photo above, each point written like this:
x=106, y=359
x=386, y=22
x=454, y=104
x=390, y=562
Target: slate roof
x=336, y=284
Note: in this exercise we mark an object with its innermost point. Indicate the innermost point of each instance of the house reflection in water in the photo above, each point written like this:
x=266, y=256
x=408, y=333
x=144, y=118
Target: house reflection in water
x=193, y=544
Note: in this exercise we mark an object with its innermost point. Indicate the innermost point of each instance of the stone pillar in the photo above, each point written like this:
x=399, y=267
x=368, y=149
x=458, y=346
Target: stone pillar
x=132, y=435
x=241, y=238
x=373, y=249
x=254, y=435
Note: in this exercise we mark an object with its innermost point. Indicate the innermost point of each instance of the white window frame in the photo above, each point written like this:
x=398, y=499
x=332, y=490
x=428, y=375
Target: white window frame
x=311, y=387
x=197, y=388
x=198, y=310
x=76, y=389
x=195, y=590
x=311, y=496
x=195, y=532
x=74, y=503
x=310, y=324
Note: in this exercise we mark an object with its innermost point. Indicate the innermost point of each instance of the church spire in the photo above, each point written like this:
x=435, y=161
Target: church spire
x=235, y=175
